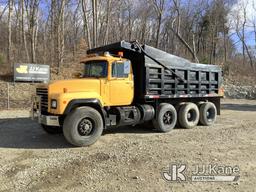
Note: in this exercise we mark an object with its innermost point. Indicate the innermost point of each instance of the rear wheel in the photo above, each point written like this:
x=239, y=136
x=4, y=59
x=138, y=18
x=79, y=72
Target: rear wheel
x=177, y=107
x=166, y=118
x=51, y=129
x=83, y=126
x=188, y=115
x=208, y=113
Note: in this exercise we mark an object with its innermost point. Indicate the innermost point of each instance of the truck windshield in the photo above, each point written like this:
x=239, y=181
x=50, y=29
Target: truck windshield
x=95, y=69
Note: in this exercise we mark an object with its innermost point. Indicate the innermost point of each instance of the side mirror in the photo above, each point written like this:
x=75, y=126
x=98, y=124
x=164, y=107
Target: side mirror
x=77, y=75
x=127, y=67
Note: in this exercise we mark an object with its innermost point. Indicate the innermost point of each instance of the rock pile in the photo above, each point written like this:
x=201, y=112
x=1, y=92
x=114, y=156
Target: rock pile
x=240, y=91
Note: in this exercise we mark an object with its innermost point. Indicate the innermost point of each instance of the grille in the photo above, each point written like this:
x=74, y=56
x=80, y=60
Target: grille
x=43, y=93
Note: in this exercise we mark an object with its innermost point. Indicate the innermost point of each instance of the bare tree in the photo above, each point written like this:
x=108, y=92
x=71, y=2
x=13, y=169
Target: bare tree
x=241, y=35
x=60, y=34
x=42, y=31
x=130, y=20
x=24, y=39
x=32, y=14
x=10, y=5
x=254, y=23
x=94, y=17
x=3, y=11
x=159, y=8
x=107, y=22
x=86, y=29
x=192, y=49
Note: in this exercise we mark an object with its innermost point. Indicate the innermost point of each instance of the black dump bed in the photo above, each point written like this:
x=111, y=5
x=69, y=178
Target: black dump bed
x=158, y=74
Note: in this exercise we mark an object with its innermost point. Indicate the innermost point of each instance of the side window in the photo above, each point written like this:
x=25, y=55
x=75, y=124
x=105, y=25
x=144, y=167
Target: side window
x=120, y=69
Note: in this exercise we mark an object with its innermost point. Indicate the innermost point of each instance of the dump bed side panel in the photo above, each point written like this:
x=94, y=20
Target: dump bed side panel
x=200, y=80
x=197, y=83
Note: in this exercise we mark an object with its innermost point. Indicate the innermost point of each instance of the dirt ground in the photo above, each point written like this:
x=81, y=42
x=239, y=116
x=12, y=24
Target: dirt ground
x=127, y=159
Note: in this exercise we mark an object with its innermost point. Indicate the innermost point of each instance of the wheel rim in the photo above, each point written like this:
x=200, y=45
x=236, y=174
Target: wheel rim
x=85, y=127
x=210, y=114
x=167, y=118
x=191, y=115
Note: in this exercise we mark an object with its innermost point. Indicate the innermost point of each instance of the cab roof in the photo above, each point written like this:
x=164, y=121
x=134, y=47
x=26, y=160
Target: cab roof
x=92, y=57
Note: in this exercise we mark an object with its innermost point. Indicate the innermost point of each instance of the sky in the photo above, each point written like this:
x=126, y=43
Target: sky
x=237, y=10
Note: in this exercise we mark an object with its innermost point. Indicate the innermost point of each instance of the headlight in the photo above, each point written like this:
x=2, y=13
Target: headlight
x=53, y=104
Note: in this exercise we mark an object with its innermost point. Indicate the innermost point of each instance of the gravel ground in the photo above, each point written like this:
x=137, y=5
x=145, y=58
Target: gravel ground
x=127, y=159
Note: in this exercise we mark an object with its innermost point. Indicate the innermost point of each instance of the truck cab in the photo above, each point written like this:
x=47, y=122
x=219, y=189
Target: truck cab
x=115, y=78
x=107, y=79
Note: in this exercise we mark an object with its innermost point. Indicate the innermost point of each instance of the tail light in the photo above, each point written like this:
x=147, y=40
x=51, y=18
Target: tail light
x=221, y=91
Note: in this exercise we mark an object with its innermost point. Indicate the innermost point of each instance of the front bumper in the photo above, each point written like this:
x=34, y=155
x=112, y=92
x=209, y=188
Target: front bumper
x=49, y=120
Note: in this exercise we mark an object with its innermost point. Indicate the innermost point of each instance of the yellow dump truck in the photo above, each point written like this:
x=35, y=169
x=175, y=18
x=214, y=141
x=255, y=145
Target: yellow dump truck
x=125, y=84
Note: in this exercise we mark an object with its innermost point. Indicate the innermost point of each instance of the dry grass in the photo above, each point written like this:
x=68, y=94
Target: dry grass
x=240, y=74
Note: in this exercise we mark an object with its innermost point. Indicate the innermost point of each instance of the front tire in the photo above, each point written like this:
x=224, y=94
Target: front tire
x=166, y=118
x=83, y=126
x=52, y=129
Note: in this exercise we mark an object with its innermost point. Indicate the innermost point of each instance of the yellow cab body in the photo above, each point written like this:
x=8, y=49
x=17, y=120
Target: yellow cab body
x=112, y=88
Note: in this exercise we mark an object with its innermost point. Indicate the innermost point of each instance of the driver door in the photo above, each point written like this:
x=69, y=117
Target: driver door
x=121, y=84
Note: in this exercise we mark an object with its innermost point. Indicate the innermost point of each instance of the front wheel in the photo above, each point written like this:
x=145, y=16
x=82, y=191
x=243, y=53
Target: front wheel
x=83, y=126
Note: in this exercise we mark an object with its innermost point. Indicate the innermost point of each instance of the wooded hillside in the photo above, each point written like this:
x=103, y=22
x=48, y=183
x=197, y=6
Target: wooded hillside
x=55, y=32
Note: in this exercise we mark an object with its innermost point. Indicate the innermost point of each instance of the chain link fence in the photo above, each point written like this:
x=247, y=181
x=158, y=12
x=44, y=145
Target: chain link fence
x=16, y=95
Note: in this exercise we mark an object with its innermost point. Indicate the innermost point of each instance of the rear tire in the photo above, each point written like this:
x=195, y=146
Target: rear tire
x=166, y=118
x=208, y=114
x=52, y=129
x=177, y=107
x=188, y=115
x=83, y=126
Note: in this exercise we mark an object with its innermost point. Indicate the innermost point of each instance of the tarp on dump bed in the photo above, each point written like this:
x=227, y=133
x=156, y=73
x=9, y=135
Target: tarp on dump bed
x=165, y=58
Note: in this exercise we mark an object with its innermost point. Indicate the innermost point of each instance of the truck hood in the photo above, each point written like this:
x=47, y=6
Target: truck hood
x=74, y=85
